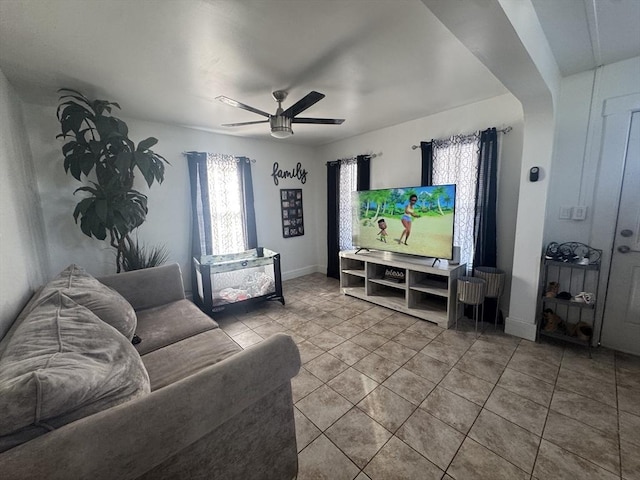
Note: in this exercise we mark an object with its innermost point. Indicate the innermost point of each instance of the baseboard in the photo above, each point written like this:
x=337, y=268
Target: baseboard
x=303, y=271
x=520, y=328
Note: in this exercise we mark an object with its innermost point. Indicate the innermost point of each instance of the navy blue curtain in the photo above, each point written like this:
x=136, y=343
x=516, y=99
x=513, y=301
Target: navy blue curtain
x=364, y=172
x=249, y=210
x=426, y=178
x=333, y=215
x=485, y=245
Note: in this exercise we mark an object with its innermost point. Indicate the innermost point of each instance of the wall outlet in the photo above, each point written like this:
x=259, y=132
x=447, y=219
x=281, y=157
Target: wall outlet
x=579, y=213
x=566, y=213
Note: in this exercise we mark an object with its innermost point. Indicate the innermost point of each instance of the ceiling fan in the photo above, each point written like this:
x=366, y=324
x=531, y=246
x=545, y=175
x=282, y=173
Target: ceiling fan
x=282, y=120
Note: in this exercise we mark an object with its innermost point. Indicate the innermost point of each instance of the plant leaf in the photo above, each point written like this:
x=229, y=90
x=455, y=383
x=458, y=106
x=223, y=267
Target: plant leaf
x=146, y=144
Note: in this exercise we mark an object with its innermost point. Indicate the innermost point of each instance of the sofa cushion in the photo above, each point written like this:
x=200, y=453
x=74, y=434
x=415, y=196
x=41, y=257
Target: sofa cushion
x=61, y=364
x=106, y=303
x=170, y=323
x=181, y=359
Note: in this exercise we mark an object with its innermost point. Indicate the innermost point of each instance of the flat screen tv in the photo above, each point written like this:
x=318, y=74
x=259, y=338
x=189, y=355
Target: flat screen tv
x=409, y=220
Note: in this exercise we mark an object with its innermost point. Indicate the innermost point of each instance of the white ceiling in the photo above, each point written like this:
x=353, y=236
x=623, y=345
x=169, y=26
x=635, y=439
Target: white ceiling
x=379, y=62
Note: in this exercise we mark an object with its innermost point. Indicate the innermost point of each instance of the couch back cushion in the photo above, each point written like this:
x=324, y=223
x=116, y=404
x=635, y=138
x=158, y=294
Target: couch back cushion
x=106, y=303
x=63, y=363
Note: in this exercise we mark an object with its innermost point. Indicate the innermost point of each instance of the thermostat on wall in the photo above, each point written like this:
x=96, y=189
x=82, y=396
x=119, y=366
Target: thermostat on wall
x=534, y=173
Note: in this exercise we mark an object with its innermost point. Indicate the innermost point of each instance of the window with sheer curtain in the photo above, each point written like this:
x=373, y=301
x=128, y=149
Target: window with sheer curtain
x=348, y=185
x=455, y=160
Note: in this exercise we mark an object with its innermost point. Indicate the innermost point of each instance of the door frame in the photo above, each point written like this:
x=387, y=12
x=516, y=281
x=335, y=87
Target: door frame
x=616, y=127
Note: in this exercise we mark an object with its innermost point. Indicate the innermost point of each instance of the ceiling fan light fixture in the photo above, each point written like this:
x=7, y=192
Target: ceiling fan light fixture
x=281, y=127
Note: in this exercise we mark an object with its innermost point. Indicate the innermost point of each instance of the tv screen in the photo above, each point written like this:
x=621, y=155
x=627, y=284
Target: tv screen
x=410, y=220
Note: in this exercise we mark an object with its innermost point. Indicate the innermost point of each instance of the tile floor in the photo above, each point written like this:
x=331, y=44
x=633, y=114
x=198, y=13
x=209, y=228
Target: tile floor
x=382, y=395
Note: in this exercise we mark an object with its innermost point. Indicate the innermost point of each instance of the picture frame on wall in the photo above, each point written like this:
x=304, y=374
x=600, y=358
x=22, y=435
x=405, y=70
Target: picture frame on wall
x=291, y=212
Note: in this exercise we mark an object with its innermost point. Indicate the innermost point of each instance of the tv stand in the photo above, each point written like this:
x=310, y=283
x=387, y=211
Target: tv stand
x=435, y=260
x=429, y=291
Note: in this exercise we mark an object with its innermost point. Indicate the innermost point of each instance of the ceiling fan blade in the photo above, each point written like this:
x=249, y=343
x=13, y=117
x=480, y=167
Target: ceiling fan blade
x=244, y=123
x=323, y=121
x=235, y=103
x=302, y=104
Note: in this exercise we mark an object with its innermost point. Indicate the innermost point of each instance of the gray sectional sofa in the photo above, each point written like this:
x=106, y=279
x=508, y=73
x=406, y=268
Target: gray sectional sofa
x=79, y=401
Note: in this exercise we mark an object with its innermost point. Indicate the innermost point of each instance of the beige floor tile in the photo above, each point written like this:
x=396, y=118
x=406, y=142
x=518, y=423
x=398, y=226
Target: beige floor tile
x=254, y=321
x=306, y=431
x=396, y=460
x=322, y=460
x=495, y=352
x=498, y=337
x=600, y=371
x=628, y=378
x=303, y=384
x=425, y=328
x=525, y=413
x=457, y=338
x=376, y=367
x=409, y=385
x=387, y=408
x=398, y=354
x=347, y=329
x=443, y=352
x=307, y=329
x=628, y=362
x=233, y=327
x=475, y=462
x=379, y=313
x=628, y=399
x=479, y=365
x=630, y=461
x=323, y=407
x=533, y=366
x=470, y=387
x=327, y=340
x=427, y=367
x=584, y=385
x=434, y=439
x=555, y=463
x=452, y=409
x=544, y=352
x=586, y=410
x=326, y=366
x=246, y=339
x=353, y=385
x=526, y=386
x=358, y=435
x=630, y=428
x=387, y=330
x=583, y=440
x=270, y=328
x=327, y=320
x=413, y=340
x=362, y=476
x=369, y=340
x=506, y=439
x=309, y=351
x=349, y=352
x=357, y=316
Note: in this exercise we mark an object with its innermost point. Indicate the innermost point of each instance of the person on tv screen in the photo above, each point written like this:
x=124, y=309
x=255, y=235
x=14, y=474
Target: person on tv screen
x=382, y=225
x=407, y=218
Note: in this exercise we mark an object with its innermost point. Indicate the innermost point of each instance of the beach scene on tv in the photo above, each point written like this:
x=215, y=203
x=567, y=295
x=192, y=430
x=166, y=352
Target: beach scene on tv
x=411, y=220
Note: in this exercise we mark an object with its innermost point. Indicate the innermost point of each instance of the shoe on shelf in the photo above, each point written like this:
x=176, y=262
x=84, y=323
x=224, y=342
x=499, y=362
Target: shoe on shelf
x=552, y=289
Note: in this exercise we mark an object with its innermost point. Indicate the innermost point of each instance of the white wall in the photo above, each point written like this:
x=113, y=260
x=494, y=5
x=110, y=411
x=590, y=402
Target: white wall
x=169, y=217
x=24, y=263
x=399, y=165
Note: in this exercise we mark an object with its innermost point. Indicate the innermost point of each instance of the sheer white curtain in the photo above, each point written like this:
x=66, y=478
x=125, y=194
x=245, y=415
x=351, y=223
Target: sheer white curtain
x=348, y=185
x=227, y=204
x=455, y=160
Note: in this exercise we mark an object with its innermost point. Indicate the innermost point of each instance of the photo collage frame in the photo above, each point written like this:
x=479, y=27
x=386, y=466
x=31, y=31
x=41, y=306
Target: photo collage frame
x=291, y=208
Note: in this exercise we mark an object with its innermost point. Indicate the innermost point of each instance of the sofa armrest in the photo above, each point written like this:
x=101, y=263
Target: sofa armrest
x=150, y=287
x=126, y=441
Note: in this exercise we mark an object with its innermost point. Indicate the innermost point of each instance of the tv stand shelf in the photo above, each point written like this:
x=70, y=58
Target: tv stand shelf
x=428, y=292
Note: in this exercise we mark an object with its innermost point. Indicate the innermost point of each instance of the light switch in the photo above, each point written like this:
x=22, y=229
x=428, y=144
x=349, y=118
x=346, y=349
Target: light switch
x=565, y=213
x=579, y=213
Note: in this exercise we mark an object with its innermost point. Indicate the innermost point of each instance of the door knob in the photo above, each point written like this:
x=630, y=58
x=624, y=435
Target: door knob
x=626, y=233
x=624, y=249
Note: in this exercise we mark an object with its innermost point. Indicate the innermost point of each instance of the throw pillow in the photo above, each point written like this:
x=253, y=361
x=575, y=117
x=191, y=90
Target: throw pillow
x=106, y=303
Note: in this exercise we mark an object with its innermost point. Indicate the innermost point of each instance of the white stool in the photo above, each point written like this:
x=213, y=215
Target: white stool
x=471, y=292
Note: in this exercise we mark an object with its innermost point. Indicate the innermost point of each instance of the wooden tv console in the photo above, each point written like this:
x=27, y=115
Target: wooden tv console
x=428, y=292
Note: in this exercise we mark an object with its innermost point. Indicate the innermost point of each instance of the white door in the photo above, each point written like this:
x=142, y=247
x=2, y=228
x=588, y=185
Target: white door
x=621, y=322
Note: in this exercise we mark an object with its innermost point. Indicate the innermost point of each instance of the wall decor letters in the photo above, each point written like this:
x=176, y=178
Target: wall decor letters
x=298, y=172
x=291, y=208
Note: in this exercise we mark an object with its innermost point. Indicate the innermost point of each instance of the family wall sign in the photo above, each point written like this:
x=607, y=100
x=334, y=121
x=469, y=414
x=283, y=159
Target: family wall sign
x=297, y=172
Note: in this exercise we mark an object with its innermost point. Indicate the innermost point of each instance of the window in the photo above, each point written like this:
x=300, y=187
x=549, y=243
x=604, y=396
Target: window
x=348, y=185
x=227, y=204
x=455, y=160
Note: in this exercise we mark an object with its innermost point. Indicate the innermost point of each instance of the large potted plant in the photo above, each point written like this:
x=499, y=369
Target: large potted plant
x=98, y=147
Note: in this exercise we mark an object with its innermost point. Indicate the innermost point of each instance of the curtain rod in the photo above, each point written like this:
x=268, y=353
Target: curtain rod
x=250, y=159
x=503, y=130
x=373, y=155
